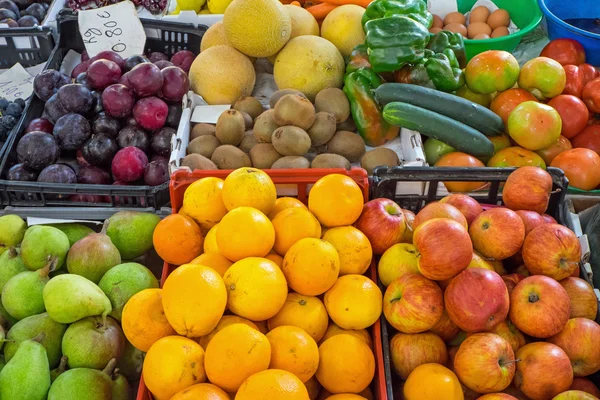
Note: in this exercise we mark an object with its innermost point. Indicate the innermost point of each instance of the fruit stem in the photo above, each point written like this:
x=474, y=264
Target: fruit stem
x=44, y=272
x=511, y=362
x=39, y=337
x=110, y=367
x=105, y=226
x=62, y=367
x=533, y=297
x=12, y=252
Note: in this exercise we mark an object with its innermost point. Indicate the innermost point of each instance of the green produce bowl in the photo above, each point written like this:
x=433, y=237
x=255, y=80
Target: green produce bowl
x=526, y=14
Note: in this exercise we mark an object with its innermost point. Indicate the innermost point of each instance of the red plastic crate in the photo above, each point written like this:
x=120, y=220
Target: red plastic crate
x=301, y=179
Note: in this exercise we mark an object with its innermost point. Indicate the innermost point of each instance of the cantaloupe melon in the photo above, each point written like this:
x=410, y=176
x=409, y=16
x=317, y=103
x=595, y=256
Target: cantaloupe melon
x=343, y=28
x=214, y=36
x=303, y=22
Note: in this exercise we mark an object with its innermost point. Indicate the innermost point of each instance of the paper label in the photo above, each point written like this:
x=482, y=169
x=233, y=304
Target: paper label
x=116, y=27
x=16, y=83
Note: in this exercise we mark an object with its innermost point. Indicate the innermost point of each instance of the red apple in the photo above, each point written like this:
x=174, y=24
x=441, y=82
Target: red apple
x=445, y=328
x=409, y=350
x=439, y=210
x=497, y=396
x=584, y=303
x=580, y=339
x=382, y=221
x=479, y=262
x=467, y=205
x=513, y=391
x=413, y=303
x=497, y=233
x=549, y=219
x=522, y=270
x=577, y=272
x=552, y=250
x=477, y=300
x=485, y=363
x=531, y=219
x=507, y=331
x=511, y=281
x=575, y=395
x=444, y=248
x=585, y=385
x=409, y=217
x=528, y=188
x=539, y=306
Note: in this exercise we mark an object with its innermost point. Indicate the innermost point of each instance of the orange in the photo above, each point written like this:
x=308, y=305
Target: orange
x=235, y=353
x=346, y=365
x=293, y=350
x=398, y=260
x=256, y=288
x=245, y=232
x=336, y=200
x=276, y=258
x=354, y=302
x=214, y=260
x=313, y=387
x=311, y=266
x=346, y=396
x=284, y=203
x=210, y=241
x=361, y=334
x=273, y=384
x=201, y=391
x=365, y=394
x=225, y=321
x=249, y=187
x=305, y=312
x=353, y=247
x=144, y=321
x=194, y=299
x=432, y=382
x=203, y=201
x=292, y=225
x=172, y=364
x=177, y=239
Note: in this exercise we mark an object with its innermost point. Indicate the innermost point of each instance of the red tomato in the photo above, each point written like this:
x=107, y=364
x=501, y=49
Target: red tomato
x=591, y=95
x=573, y=112
x=589, y=138
x=548, y=154
x=589, y=73
x=581, y=166
x=458, y=159
x=574, y=84
x=565, y=51
x=505, y=102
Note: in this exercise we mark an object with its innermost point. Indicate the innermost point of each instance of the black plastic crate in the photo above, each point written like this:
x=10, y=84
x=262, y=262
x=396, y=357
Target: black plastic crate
x=41, y=44
x=172, y=37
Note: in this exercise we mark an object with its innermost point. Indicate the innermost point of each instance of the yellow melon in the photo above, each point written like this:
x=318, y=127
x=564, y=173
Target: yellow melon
x=303, y=22
x=214, y=36
x=343, y=28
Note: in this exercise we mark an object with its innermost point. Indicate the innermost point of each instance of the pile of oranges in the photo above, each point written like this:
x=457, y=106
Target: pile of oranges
x=269, y=300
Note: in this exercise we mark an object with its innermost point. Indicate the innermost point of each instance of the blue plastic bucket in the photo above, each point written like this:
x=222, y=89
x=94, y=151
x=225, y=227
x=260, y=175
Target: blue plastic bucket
x=556, y=11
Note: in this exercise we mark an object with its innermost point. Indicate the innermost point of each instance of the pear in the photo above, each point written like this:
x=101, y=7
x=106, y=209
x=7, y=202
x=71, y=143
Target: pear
x=131, y=232
x=130, y=364
x=11, y=264
x=74, y=231
x=22, y=294
x=6, y=320
x=12, y=230
x=2, y=362
x=120, y=283
x=69, y=298
x=27, y=375
x=83, y=384
x=62, y=367
x=44, y=244
x=121, y=390
x=2, y=336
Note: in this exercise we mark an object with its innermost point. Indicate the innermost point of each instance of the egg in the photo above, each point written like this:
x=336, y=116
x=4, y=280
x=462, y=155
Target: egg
x=481, y=36
x=475, y=28
x=454, y=18
x=438, y=22
x=456, y=28
x=435, y=30
x=479, y=14
x=500, y=31
x=498, y=18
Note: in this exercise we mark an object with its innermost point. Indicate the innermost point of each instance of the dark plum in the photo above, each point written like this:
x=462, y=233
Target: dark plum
x=92, y=175
x=156, y=173
x=80, y=68
x=75, y=98
x=53, y=110
x=47, y=83
x=160, y=143
x=125, y=80
x=39, y=124
x=23, y=4
x=174, y=115
x=71, y=131
x=133, y=61
x=7, y=14
x=28, y=21
x=19, y=172
x=36, y=10
x=9, y=5
x=133, y=136
x=157, y=56
x=104, y=123
x=100, y=150
x=156, y=157
x=82, y=162
x=175, y=84
x=131, y=122
x=103, y=73
x=111, y=56
x=83, y=80
x=118, y=100
x=129, y=164
x=183, y=59
x=150, y=113
x=37, y=150
x=162, y=64
x=84, y=56
x=57, y=173
x=11, y=23
x=97, y=106
x=146, y=79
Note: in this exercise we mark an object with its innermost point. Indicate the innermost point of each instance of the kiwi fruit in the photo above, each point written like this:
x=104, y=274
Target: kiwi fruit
x=248, y=121
x=280, y=93
x=292, y=109
x=291, y=162
x=333, y=100
x=291, y=141
x=230, y=127
x=347, y=144
x=249, y=105
x=197, y=161
x=202, y=130
x=330, y=161
x=323, y=129
x=264, y=126
x=248, y=142
x=379, y=156
x=263, y=155
x=203, y=145
x=230, y=157
x=347, y=125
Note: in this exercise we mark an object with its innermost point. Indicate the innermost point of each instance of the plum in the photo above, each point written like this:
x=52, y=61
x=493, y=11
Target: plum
x=83, y=80
x=36, y=10
x=81, y=161
x=28, y=21
x=151, y=113
x=47, y=83
x=131, y=122
x=104, y=123
x=80, y=68
x=183, y=59
x=133, y=136
x=7, y=14
x=156, y=173
x=53, y=110
x=71, y=131
x=175, y=84
x=162, y=64
x=156, y=157
x=160, y=143
x=129, y=164
x=57, y=173
x=146, y=79
x=9, y=5
x=100, y=150
x=11, y=23
x=111, y=56
x=92, y=175
x=157, y=56
x=39, y=124
x=118, y=100
x=125, y=80
x=174, y=115
x=22, y=4
x=103, y=73
x=37, y=150
x=133, y=61
x=84, y=56
x=75, y=98
x=97, y=106
x=20, y=172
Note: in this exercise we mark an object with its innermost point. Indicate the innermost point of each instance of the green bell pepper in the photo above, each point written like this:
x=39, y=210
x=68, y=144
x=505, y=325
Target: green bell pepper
x=413, y=9
x=449, y=40
x=359, y=58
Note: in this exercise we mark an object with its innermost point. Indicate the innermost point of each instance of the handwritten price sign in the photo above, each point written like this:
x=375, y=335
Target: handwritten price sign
x=116, y=27
x=16, y=83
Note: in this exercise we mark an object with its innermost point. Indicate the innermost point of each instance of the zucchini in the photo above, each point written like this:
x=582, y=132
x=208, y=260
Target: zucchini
x=455, y=107
x=456, y=134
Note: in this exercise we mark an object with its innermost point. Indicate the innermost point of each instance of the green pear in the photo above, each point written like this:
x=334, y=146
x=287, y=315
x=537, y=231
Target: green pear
x=22, y=294
x=12, y=230
x=27, y=375
x=44, y=244
x=130, y=364
x=93, y=256
x=6, y=320
x=69, y=298
x=2, y=362
x=31, y=327
x=2, y=337
x=120, y=283
x=121, y=390
x=62, y=367
x=11, y=264
x=83, y=384
x=131, y=232
x=74, y=231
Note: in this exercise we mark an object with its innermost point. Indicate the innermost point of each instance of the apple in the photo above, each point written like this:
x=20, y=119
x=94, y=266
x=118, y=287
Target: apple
x=552, y=250
x=507, y=331
x=409, y=350
x=575, y=395
x=549, y=219
x=444, y=248
x=522, y=270
x=485, y=363
x=497, y=396
x=584, y=303
x=580, y=339
x=497, y=233
x=413, y=303
x=527, y=188
x=445, y=328
x=409, y=217
x=544, y=370
x=585, y=385
x=577, y=272
x=477, y=300
x=497, y=264
x=539, y=306
x=479, y=262
x=398, y=260
x=467, y=205
x=531, y=219
x=382, y=221
x=439, y=210
x=511, y=281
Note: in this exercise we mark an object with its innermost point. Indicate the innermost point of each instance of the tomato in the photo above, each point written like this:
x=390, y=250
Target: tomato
x=591, y=95
x=516, y=157
x=565, y=51
x=581, y=166
x=505, y=102
x=573, y=113
x=434, y=149
x=492, y=71
x=458, y=159
x=534, y=125
x=574, y=84
x=543, y=77
x=548, y=153
x=589, y=138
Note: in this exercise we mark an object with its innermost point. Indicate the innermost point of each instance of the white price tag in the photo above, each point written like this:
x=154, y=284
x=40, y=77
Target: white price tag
x=16, y=83
x=116, y=27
